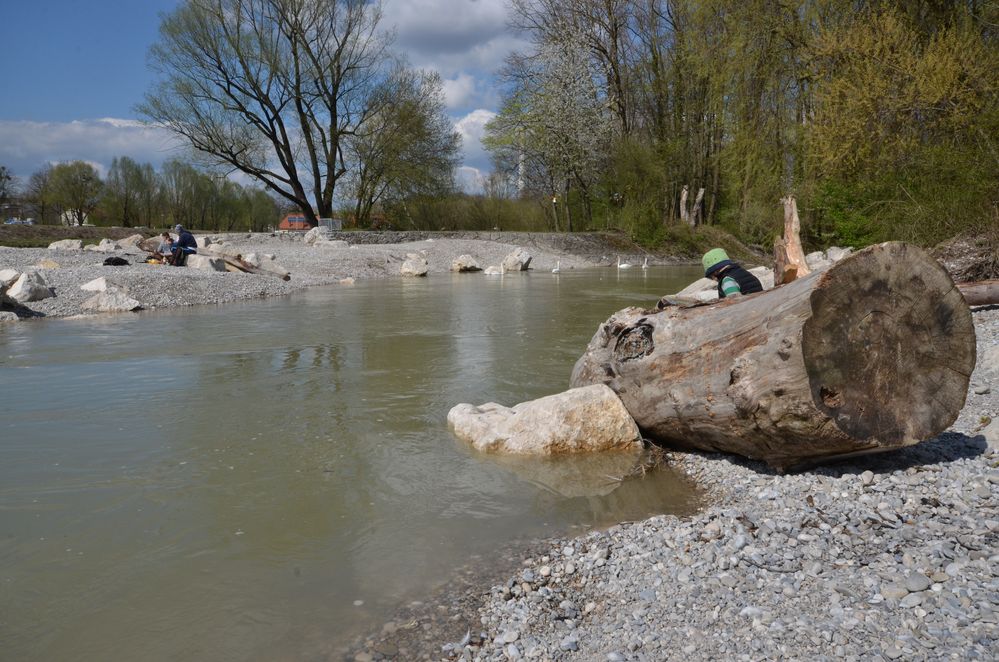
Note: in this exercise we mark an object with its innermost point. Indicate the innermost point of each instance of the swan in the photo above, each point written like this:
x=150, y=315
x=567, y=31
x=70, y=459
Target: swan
x=622, y=266
x=645, y=265
x=493, y=271
x=558, y=267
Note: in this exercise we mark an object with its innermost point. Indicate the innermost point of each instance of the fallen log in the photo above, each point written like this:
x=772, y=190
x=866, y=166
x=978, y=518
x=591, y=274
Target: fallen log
x=872, y=354
x=239, y=264
x=982, y=293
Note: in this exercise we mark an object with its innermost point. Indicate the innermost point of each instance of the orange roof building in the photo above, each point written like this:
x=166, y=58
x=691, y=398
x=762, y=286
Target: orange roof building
x=294, y=222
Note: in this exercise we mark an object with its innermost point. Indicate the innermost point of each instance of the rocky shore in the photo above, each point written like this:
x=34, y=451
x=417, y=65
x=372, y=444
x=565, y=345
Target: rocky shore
x=878, y=558
x=364, y=255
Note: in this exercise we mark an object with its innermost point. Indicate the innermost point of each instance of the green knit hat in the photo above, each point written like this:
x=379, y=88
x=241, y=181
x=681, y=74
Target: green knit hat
x=713, y=260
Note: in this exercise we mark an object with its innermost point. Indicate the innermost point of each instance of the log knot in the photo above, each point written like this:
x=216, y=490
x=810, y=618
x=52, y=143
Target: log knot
x=634, y=343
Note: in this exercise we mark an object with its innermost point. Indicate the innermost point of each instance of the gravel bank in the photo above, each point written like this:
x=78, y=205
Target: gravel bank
x=879, y=558
x=379, y=256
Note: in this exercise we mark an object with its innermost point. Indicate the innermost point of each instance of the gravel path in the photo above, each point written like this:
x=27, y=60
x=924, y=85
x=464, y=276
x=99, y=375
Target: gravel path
x=156, y=286
x=879, y=558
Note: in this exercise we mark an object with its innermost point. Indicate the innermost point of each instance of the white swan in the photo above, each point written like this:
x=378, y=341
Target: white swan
x=645, y=265
x=558, y=267
x=622, y=266
x=493, y=271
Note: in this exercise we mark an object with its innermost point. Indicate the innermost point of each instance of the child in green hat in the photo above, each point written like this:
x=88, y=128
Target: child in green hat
x=732, y=279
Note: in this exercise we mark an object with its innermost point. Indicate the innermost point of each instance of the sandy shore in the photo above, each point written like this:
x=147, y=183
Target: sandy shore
x=367, y=255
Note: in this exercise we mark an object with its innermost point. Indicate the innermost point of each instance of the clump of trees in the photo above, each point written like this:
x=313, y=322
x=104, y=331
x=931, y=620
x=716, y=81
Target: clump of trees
x=882, y=116
x=304, y=97
x=136, y=194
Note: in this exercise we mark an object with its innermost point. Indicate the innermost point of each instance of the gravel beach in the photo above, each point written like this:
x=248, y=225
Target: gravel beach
x=366, y=255
x=878, y=558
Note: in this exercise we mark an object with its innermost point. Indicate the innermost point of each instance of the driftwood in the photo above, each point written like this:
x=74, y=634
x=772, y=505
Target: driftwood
x=982, y=293
x=872, y=354
x=789, y=256
x=237, y=263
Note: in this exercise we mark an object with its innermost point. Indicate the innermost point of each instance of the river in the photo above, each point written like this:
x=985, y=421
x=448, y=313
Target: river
x=277, y=476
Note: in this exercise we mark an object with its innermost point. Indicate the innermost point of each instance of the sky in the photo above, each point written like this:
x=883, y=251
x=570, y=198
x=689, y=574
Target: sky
x=73, y=71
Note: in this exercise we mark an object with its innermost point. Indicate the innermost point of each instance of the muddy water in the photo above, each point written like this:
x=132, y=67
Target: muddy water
x=270, y=478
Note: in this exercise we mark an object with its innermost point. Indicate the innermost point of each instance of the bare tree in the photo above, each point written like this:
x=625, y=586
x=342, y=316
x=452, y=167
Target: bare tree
x=273, y=88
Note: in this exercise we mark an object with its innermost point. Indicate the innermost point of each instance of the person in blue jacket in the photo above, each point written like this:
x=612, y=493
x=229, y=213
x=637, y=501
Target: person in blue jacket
x=184, y=246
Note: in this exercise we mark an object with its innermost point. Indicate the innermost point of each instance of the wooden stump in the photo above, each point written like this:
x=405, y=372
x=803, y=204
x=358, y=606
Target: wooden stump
x=872, y=354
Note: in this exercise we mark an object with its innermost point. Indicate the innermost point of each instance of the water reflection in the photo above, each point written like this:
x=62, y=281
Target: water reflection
x=216, y=482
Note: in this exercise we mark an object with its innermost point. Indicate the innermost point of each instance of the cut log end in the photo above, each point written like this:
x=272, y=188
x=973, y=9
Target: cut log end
x=887, y=349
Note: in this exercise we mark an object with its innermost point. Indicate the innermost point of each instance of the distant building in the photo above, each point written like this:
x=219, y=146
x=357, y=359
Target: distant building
x=294, y=222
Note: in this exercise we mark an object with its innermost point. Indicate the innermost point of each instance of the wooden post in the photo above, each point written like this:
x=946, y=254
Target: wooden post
x=792, y=249
x=872, y=354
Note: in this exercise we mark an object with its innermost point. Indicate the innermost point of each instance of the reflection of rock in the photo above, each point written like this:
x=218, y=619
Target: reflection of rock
x=587, y=474
x=580, y=420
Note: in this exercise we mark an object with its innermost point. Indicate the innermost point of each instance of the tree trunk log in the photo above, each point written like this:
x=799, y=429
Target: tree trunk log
x=982, y=293
x=784, y=271
x=684, y=215
x=792, y=237
x=872, y=354
x=695, y=214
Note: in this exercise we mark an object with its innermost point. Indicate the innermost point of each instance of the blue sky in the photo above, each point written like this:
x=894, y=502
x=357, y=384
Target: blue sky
x=72, y=72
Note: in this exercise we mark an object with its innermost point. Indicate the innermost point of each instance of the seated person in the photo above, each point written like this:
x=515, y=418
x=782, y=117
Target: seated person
x=165, y=248
x=184, y=246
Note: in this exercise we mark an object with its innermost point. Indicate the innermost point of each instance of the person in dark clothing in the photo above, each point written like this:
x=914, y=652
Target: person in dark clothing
x=184, y=246
x=732, y=279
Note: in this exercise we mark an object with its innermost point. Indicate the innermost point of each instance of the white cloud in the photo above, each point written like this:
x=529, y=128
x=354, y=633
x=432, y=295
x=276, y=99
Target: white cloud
x=470, y=180
x=26, y=146
x=472, y=128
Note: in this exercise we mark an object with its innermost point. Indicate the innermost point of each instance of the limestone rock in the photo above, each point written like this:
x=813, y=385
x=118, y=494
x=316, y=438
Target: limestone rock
x=227, y=250
x=66, y=245
x=7, y=316
x=131, y=241
x=415, y=265
x=30, y=286
x=111, y=301
x=835, y=253
x=587, y=419
x=817, y=261
x=98, y=285
x=203, y=241
x=205, y=262
x=268, y=264
x=465, y=263
x=766, y=276
x=316, y=234
x=347, y=281
x=46, y=263
x=106, y=246
x=518, y=260
x=8, y=276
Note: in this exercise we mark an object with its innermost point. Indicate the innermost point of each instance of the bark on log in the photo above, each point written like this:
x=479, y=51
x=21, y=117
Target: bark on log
x=872, y=354
x=792, y=237
x=784, y=271
x=982, y=293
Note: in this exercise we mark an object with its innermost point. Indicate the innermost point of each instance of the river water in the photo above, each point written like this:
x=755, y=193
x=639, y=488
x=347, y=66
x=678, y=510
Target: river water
x=275, y=477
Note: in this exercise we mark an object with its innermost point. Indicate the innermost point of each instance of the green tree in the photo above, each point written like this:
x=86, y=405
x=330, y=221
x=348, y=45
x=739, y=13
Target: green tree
x=75, y=190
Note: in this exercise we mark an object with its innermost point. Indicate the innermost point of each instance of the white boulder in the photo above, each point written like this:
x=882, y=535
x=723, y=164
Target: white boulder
x=518, y=260
x=835, y=253
x=30, y=286
x=817, y=261
x=203, y=241
x=66, y=245
x=105, y=246
x=8, y=276
x=765, y=276
x=318, y=233
x=205, y=262
x=131, y=241
x=415, y=265
x=8, y=316
x=46, y=263
x=465, y=263
x=587, y=419
x=111, y=301
x=96, y=285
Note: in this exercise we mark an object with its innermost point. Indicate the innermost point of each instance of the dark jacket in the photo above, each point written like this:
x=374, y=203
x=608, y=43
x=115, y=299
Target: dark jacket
x=748, y=283
x=187, y=242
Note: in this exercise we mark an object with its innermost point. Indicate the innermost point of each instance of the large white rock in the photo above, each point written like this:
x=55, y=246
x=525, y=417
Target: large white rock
x=30, y=286
x=835, y=253
x=991, y=434
x=587, y=419
x=765, y=275
x=518, y=260
x=228, y=250
x=66, y=245
x=817, y=261
x=415, y=265
x=205, y=262
x=105, y=246
x=8, y=276
x=318, y=233
x=111, y=301
x=270, y=265
x=46, y=263
x=465, y=263
x=203, y=241
x=96, y=285
x=131, y=241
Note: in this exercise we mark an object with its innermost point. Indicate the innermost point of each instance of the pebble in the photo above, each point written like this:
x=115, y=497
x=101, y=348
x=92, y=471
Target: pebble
x=917, y=582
